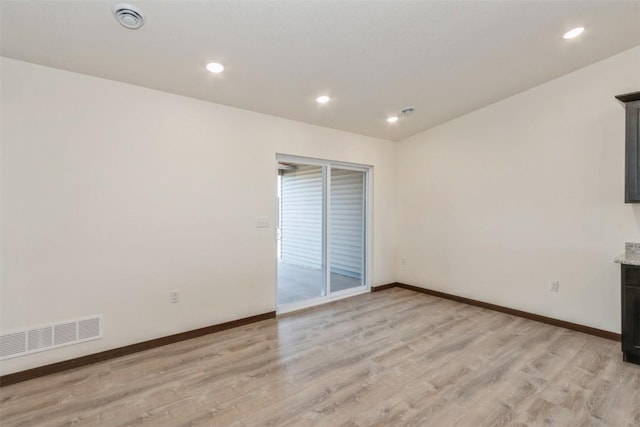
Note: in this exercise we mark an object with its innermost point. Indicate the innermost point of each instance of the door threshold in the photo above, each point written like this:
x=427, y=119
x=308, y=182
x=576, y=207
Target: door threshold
x=295, y=306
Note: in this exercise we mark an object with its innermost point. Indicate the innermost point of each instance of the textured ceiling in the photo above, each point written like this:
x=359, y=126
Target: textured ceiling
x=373, y=58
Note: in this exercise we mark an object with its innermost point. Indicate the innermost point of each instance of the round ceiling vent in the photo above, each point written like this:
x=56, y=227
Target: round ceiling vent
x=128, y=16
x=407, y=111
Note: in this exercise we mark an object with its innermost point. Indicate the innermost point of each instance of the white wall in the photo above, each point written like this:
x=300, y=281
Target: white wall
x=113, y=195
x=495, y=204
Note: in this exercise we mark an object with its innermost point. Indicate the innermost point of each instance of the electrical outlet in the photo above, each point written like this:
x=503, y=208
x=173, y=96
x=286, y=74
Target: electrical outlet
x=403, y=261
x=554, y=286
x=175, y=297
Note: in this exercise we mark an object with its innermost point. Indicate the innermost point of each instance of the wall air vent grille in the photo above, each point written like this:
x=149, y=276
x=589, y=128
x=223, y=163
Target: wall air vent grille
x=13, y=344
x=51, y=336
x=39, y=338
x=65, y=333
x=89, y=328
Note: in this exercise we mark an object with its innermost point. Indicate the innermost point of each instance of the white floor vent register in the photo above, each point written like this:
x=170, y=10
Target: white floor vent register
x=51, y=336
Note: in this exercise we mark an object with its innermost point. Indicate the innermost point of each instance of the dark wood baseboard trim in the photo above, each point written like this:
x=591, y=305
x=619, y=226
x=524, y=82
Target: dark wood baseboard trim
x=383, y=287
x=543, y=319
x=129, y=349
x=28, y=374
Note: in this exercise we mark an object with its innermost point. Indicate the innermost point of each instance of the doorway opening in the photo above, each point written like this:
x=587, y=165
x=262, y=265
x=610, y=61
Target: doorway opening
x=323, y=231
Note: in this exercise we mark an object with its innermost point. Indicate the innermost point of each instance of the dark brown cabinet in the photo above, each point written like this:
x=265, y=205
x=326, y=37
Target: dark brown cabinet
x=632, y=144
x=631, y=313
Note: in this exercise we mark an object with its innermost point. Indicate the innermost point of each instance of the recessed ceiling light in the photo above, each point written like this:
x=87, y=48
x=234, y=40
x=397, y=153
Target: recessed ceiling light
x=572, y=34
x=323, y=99
x=392, y=119
x=215, y=68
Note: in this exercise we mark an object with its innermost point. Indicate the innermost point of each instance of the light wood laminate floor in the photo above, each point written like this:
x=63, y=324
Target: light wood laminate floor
x=391, y=358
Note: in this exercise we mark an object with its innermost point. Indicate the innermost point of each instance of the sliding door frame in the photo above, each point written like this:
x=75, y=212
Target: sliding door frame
x=326, y=165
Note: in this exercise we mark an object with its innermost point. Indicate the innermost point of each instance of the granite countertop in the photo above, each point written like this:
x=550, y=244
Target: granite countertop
x=631, y=255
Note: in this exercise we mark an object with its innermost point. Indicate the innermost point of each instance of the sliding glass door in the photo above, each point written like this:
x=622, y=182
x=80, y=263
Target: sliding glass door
x=322, y=231
x=301, y=261
x=347, y=229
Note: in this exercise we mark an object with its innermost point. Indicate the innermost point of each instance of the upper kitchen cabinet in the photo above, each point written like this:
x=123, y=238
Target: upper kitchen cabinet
x=632, y=156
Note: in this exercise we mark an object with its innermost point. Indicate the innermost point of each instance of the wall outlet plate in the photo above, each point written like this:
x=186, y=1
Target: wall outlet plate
x=554, y=286
x=175, y=296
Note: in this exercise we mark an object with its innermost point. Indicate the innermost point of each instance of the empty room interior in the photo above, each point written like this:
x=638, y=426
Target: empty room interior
x=330, y=213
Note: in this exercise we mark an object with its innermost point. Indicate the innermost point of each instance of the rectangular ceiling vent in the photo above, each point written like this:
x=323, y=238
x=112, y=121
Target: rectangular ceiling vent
x=51, y=336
